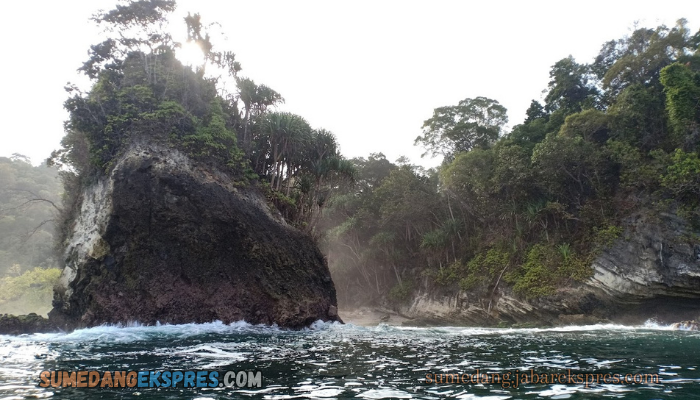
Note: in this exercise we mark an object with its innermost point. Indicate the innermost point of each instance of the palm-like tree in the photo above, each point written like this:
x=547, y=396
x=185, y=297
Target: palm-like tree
x=256, y=99
x=285, y=133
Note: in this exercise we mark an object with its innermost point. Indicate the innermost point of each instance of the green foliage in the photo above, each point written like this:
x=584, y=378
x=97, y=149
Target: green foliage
x=606, y=236
x=31, y=291
x=682, y=88
x=637, y=170
x=527, y=135
x=564, y=250
x=139, y=92
x=473, y=123
x=638, y=117
x=449, y=275
x=29, y=207
x=546, y=268
x=591, y=125
x=477, y=274
x=484, y=268
x=570, y=89
x=575, y=268
x=534, y=112
x=434, y=240
x=530, y=209
x=469, y=177
x=536, y=278
x=213, y=141
x=570, y=168
x=490, y=263
x=375, y=228
x=401, y=292
x=402, y=193
x=299, y=160
x=682, y=177
x=639, y=58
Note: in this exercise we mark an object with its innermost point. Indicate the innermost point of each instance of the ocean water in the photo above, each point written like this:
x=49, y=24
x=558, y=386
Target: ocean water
x=331, y=360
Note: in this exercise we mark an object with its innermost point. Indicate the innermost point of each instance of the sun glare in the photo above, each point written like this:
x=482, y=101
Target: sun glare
x=190, y=54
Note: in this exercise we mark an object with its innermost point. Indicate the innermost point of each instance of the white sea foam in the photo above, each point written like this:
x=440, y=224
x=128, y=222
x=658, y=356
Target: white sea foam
x=134, y=331
x=385, y=394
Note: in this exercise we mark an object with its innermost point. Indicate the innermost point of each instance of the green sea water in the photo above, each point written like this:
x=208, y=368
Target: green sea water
x=347, y=361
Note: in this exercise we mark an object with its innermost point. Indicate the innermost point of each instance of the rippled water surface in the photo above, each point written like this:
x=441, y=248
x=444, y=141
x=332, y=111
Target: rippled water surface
x=346, y=361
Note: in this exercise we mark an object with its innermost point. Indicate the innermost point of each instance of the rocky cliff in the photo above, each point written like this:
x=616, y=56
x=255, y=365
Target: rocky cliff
x=652, y=271
x=165, y=239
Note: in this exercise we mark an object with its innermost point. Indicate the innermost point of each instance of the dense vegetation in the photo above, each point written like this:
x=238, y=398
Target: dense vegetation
x=29, y=292
x=528, y=209
x=140, y=89
x=29, y=202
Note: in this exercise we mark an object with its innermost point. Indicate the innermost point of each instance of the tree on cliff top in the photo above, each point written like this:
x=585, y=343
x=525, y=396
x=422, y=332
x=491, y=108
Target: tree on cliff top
x=140, y=87
x=473, y=123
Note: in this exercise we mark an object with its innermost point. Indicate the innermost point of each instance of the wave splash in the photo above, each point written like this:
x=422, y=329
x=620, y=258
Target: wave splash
x=135, y=331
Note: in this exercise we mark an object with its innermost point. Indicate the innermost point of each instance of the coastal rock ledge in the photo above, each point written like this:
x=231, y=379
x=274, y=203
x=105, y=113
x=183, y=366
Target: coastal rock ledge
x=166, y=239
x=652, y=272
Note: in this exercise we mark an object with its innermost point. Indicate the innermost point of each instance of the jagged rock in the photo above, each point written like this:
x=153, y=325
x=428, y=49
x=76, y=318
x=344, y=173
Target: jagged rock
x=21, y=324
x=165, y=239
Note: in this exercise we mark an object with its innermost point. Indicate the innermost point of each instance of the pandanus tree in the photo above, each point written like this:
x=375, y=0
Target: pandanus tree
x=293, y=156
x=256, y=99
x=280, y=134
x=323, y=169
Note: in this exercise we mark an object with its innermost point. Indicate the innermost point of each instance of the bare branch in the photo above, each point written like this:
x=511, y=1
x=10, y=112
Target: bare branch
x=30, y=234
x=35, y=198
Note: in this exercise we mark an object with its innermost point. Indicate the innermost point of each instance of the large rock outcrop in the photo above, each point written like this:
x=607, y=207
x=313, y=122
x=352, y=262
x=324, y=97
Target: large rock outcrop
x=652, y=271
x=22, y=324
x=166, y=239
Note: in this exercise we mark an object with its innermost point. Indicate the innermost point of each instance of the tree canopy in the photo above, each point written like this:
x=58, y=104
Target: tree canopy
x=473, y=123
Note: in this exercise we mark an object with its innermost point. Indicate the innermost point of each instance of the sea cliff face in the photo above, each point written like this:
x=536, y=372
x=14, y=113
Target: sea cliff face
x=651, y=272
x=165, y=239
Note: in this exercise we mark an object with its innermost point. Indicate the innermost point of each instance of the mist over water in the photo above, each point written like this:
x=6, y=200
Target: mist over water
x=347, y=361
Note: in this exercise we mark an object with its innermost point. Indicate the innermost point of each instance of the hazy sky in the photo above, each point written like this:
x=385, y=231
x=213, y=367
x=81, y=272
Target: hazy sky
x=369, y=71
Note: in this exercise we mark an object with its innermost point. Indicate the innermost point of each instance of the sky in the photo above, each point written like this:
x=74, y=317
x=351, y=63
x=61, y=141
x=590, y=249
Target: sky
x=369, y=71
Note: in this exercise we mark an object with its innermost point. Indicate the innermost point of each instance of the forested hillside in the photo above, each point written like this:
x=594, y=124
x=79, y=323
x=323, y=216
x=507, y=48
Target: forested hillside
x=29, y=202
x=529, y=208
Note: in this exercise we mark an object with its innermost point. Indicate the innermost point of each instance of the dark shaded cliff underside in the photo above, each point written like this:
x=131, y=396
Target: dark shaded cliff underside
x=182, y=245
